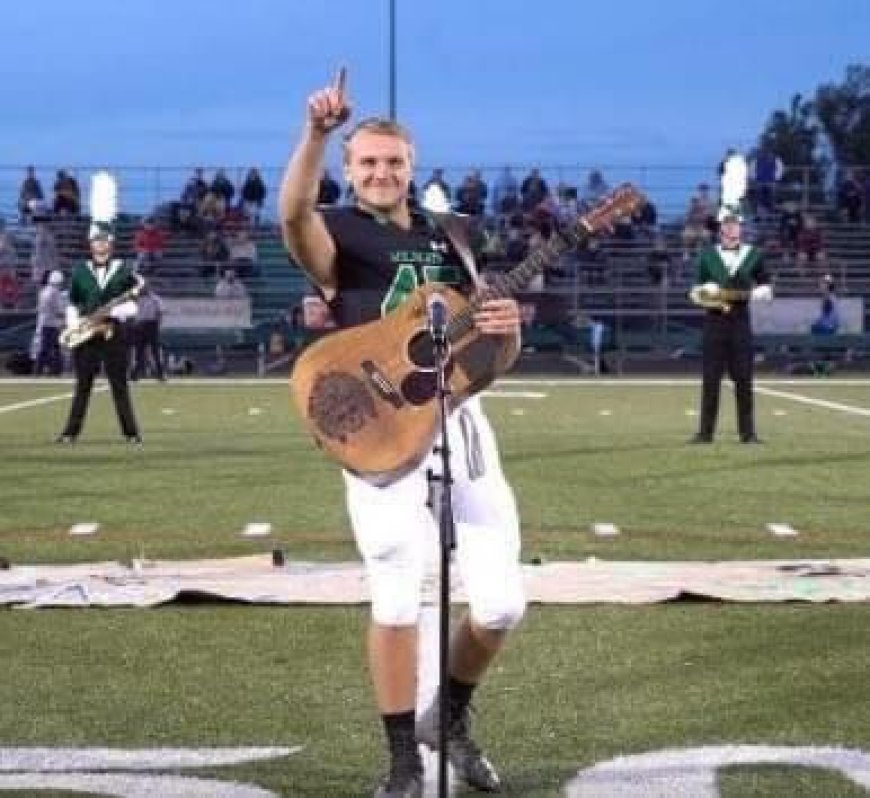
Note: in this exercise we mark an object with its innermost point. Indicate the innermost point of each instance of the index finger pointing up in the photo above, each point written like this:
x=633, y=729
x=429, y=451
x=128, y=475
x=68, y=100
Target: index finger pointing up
x=340, y=80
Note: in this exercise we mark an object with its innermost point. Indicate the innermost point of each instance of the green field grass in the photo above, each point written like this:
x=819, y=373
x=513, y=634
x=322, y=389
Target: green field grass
x=576, y=686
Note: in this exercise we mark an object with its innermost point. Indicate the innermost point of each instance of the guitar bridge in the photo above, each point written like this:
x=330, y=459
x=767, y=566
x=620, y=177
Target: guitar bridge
x=382, y=385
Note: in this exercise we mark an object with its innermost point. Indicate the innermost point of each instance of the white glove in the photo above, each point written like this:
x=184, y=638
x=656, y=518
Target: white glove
x=72, y=316
x=126, y=310
x=712, y=290
x=761, y=293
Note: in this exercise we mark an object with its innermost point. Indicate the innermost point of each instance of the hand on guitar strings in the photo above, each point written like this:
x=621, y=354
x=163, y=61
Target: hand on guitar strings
x=498, y=317
x=329, y=107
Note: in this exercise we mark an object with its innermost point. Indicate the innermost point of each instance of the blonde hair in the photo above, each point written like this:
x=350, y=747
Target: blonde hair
x=379, y=126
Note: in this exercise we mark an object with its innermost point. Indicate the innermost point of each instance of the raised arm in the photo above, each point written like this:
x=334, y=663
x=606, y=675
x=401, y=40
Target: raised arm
x=303, y=229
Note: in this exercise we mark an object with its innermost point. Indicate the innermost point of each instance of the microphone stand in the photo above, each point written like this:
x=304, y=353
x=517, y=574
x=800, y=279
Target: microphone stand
x=447, y=530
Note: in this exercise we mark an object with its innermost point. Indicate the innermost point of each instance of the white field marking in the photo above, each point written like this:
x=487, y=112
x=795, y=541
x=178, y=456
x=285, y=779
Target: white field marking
x=255, y=411
x=131, y=773
x=518, y=411
x=257, y=529
x=84, y=528
x=782, y=530
x=605, y=412
x=43, y=400
x=694, y=771
x=809, y=400
x=603, y=529
x=691, y=412
x=779, y=413
x=168, y=411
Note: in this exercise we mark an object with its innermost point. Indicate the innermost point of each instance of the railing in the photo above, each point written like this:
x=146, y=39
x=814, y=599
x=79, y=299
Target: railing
x=669, y=187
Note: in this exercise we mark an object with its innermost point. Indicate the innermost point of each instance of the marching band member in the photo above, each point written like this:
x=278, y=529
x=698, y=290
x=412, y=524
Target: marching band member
x=101, y=299
x=729, y=274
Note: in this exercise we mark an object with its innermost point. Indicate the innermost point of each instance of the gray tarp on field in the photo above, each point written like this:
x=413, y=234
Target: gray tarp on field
x=255, y=580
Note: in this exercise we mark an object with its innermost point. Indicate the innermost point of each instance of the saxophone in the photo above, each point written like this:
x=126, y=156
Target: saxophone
x=98, y=322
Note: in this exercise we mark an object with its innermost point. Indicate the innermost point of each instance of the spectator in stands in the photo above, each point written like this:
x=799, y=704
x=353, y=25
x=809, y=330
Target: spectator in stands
x=50, y=318
x=567, y=209
x=10, y=289
x=223, y=187
x=146, y=335
x=212, y=210
x=31, y=199
x=471, y=195
x=8, y=250
x=850, y=198
x=194, y=189
x=43, y=255
x=328, y=190
x=646, y=219
x=810, y=243
x=765, y=170
x=533, y=191
x=791, y=222
x=214, y=253
x=67, y=195
x=700, y=220
x=505, y=193
x=595, y=190
x=828, y=322
x=437, y=179
x=253, y=196
x=243, y=253
x=230, y=287
x=149, y=243
x=516, y=245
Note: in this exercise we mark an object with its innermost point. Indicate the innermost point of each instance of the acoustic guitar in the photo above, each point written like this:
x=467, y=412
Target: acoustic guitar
x=368, y=394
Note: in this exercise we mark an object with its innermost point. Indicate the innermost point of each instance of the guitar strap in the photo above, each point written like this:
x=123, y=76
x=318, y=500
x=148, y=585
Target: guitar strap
x=455, y=228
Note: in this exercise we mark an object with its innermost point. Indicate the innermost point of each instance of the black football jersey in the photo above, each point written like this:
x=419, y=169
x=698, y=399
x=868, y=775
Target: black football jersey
x=379, y=264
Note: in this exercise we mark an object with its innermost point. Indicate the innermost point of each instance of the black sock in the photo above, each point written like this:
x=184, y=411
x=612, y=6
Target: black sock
x=399, y=727
x=460, y=696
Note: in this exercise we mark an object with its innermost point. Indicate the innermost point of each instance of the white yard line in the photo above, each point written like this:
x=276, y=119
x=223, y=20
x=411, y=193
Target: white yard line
x=809, y=400
x=44, y=400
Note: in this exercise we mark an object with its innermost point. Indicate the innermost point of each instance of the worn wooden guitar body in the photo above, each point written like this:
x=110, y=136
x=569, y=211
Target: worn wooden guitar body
x=369, y=393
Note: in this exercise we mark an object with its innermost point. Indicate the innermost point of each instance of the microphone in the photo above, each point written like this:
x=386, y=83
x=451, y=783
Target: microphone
x=437, y=314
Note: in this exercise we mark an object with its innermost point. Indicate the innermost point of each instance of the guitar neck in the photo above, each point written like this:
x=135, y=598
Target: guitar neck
x=506, y=285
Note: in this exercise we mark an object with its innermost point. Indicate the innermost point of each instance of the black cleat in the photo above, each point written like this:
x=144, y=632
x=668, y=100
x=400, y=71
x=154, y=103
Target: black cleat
x=134, y=440
x=701, y=437
x=462, y=752
x=750, y=439
x=65, y=440
x=405, y=780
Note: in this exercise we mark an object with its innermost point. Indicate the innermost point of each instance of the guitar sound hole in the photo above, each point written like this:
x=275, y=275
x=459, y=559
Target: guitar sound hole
x=421, y=351
x=339, y=405
x=419, y=387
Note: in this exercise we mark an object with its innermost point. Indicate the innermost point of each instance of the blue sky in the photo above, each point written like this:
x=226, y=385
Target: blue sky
x=481, y=82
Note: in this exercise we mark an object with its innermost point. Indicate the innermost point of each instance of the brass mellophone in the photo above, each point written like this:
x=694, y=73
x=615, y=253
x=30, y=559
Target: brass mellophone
x=98, y=322
x=722, y=299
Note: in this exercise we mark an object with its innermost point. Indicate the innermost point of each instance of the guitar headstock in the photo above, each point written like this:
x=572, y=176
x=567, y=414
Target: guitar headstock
x=623, y=201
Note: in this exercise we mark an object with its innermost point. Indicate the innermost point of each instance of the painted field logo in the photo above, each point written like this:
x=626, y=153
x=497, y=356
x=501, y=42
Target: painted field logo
x=692, y=771
x=131, y=774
